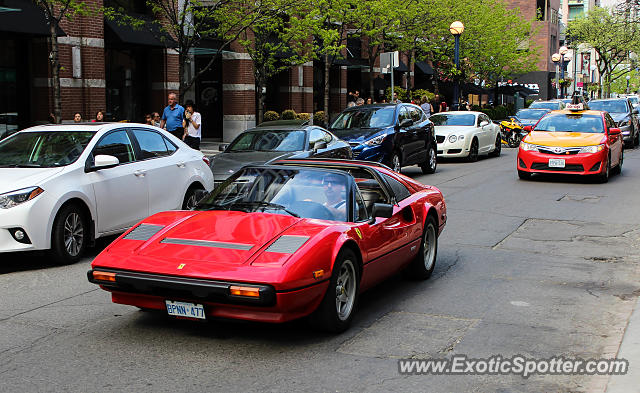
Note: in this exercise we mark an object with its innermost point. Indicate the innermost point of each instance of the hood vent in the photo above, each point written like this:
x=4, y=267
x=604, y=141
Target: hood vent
x=287, y=244
x=143, y=232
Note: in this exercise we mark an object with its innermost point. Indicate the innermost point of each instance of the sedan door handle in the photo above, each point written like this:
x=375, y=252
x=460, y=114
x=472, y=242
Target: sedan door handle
x=140, y=173
x=181, y=164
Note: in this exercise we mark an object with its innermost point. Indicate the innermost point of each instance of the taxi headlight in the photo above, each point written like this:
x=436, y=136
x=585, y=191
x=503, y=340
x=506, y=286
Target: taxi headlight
x=14, y=198
x=528, y=146
x=592, y=149
x=452, y=138
x=376, y=140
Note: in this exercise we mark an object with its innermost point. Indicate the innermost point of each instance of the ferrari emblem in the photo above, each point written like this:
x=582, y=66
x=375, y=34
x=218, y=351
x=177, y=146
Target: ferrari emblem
x=359, y=233
x=182, y=265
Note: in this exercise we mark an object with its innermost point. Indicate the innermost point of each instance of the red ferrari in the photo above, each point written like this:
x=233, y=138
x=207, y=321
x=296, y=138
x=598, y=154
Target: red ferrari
x=279, y=242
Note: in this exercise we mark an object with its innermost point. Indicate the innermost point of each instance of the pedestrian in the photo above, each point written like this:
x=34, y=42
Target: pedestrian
x=395, y=99
x=369, y=101
x=156, y=119
x=172, y=116
x=426, y=105
x=353, y=96
x=436, y=104
x=77, y=117
x=52, y=118
x=359, y=102
x=99, y=117
x=350, y=104
x=192, y=126
x=148, y=119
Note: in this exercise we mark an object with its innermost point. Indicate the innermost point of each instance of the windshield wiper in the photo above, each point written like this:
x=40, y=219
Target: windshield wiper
x=269, y=205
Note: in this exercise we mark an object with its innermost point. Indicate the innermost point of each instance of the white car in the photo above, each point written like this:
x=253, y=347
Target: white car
x=466, y=134
x=62, y=186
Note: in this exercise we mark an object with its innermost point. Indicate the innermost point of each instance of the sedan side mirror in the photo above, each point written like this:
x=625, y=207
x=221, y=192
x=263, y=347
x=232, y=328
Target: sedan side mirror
x=384, y=210
x=527, y=128
x=319, y=145
x=484, y=123
x=405, y=123
x=103, y=161
x=614, y=131
x=222, y=147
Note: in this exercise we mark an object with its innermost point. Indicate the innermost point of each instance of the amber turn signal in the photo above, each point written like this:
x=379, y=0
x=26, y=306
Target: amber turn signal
x=244, y=291
x=318, y=274
x=104, y=276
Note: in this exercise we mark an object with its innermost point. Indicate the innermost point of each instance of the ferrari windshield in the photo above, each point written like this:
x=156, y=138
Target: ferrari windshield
x=365, y=117
x=306, y=193
x=531, y=113
x=611, y=106
x=454, y=119
x=43, y=149
x=562, y=122
x=268, y=140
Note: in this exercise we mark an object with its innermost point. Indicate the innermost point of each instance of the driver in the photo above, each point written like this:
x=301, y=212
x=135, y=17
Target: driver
x=335, y=192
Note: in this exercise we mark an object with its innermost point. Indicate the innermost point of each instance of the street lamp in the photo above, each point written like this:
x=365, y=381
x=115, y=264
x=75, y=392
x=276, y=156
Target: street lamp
x=456, y=29
x=628, y=77
x=593, y=76
x=556, y=59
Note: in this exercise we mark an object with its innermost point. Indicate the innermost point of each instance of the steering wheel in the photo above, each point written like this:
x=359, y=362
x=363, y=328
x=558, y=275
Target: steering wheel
x=309, y=209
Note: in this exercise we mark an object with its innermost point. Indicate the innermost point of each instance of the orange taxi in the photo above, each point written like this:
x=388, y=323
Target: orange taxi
x=574, y=140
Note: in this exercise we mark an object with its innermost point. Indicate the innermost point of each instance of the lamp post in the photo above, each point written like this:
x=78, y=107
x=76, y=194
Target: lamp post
x=556, y=59
x=593, y=76
x=628, y=77
x=456, y=29
x=563, y=54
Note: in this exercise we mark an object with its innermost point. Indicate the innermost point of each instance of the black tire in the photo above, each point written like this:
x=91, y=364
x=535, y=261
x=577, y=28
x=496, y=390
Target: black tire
x=636, y=140
x=431, y=164
x=496, y=152
x=473, y=151
x=190, y=198
x=425, y=262
x=524, y=175
x=618, y=169
x=395, y=162
x=604, y=176
x=327, y=317
x=69, y=235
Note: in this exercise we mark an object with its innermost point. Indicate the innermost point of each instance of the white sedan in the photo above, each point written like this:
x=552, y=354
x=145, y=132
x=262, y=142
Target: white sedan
x=466, y=134
x=62, y=186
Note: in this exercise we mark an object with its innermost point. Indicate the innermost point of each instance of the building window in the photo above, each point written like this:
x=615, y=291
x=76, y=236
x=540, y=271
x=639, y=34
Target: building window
x=554, y=44
x=576, y=12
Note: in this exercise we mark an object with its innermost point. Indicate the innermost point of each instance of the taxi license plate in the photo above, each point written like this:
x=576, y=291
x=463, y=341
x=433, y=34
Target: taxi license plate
x=556, y=163
x=185, y=310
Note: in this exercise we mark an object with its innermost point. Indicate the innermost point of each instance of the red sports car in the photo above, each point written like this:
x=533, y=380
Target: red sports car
x=279, y=242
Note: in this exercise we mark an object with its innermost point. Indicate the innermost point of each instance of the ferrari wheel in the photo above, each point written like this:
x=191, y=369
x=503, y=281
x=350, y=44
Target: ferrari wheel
x=498, y=149
x=69, y=235
x=473, y=151
x=431, y=164
x=424, y=263
x=336, y=310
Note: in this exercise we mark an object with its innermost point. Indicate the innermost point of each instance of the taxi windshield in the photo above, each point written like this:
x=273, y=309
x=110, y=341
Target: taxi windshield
x=569, y=122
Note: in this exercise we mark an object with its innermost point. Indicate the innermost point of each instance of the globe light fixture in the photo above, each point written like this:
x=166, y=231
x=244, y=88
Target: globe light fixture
x=456, y=28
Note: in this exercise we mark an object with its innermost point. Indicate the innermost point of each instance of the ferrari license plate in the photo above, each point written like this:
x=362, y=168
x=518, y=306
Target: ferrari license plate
x=556, y=163
x=185, y=310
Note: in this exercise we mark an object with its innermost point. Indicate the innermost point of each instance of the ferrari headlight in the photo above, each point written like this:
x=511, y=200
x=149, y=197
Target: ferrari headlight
x=528, y=146
x=592, y=149
x=452, y=138
x=376, y=140
x=14, y=198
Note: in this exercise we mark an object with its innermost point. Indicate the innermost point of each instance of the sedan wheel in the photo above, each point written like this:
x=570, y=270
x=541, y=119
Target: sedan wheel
x=431, y=164
x=190, y=199
x=498, y=149
x=69, y=235
x=336, y=310
x=473, y=151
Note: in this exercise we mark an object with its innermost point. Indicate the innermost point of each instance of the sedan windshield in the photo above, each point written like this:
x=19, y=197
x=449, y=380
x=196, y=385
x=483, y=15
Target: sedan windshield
x=269, y=140
x=467, y=119
x=366, y=117
x=553, y=105
x=571, y=123
x=307, y=193
x=43, y=149
x=531, y=113
x=617, y=106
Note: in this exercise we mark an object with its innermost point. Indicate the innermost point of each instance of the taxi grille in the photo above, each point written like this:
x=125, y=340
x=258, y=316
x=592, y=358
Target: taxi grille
x=559, y=150
x=568, y=168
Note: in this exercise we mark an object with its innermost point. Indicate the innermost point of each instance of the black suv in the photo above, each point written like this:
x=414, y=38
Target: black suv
x=394, y=134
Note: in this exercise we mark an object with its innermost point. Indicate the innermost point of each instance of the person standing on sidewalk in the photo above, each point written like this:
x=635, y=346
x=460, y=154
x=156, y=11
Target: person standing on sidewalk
x=172, y=116
x=192, y=126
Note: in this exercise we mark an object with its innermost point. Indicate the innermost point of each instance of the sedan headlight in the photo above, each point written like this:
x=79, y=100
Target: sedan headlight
x=14, y=198
x=592, y=149
x=452, y=138
x=376, y=140
x=528, y=146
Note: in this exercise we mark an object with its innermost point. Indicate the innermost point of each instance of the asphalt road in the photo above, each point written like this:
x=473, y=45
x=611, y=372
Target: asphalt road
x=541, y=268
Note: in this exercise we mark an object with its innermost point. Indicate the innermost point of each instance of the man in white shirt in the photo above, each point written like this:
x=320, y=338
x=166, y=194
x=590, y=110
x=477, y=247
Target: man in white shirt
x=192, y=126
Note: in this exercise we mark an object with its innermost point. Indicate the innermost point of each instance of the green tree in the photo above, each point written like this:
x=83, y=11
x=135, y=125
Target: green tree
x=55, y=11
x=612, y=35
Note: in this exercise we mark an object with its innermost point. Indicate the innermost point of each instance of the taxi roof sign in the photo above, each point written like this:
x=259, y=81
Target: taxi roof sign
x=575, y=107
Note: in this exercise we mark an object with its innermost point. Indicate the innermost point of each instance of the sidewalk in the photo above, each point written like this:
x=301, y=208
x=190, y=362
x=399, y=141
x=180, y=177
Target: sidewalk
x=630, y=350
x=209, y=147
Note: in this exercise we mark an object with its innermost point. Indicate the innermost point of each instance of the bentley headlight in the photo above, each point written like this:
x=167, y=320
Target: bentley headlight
x=376, y=140
x=14, y=198
x=452, y=138
x=528, y=146
x=592, y=149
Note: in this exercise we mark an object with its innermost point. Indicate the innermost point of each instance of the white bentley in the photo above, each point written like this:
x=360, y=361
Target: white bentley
x=62, y=186
x=466, y=134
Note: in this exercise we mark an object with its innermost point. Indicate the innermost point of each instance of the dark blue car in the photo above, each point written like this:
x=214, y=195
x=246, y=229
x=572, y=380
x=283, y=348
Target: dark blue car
x=529, y=117
x=394, y=134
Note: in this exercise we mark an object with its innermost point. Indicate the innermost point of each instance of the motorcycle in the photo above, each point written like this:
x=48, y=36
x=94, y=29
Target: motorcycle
x=512, y=132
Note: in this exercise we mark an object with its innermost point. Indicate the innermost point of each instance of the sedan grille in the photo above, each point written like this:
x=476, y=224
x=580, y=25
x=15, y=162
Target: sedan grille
x=440, y=138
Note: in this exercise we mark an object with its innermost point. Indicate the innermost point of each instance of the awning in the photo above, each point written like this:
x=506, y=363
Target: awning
x=24, y=17
x=401, y=68
x=148, y=35
x=424, y=67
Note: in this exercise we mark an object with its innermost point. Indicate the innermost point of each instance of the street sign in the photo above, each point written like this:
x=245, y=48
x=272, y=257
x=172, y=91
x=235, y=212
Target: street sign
x=389, y=60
